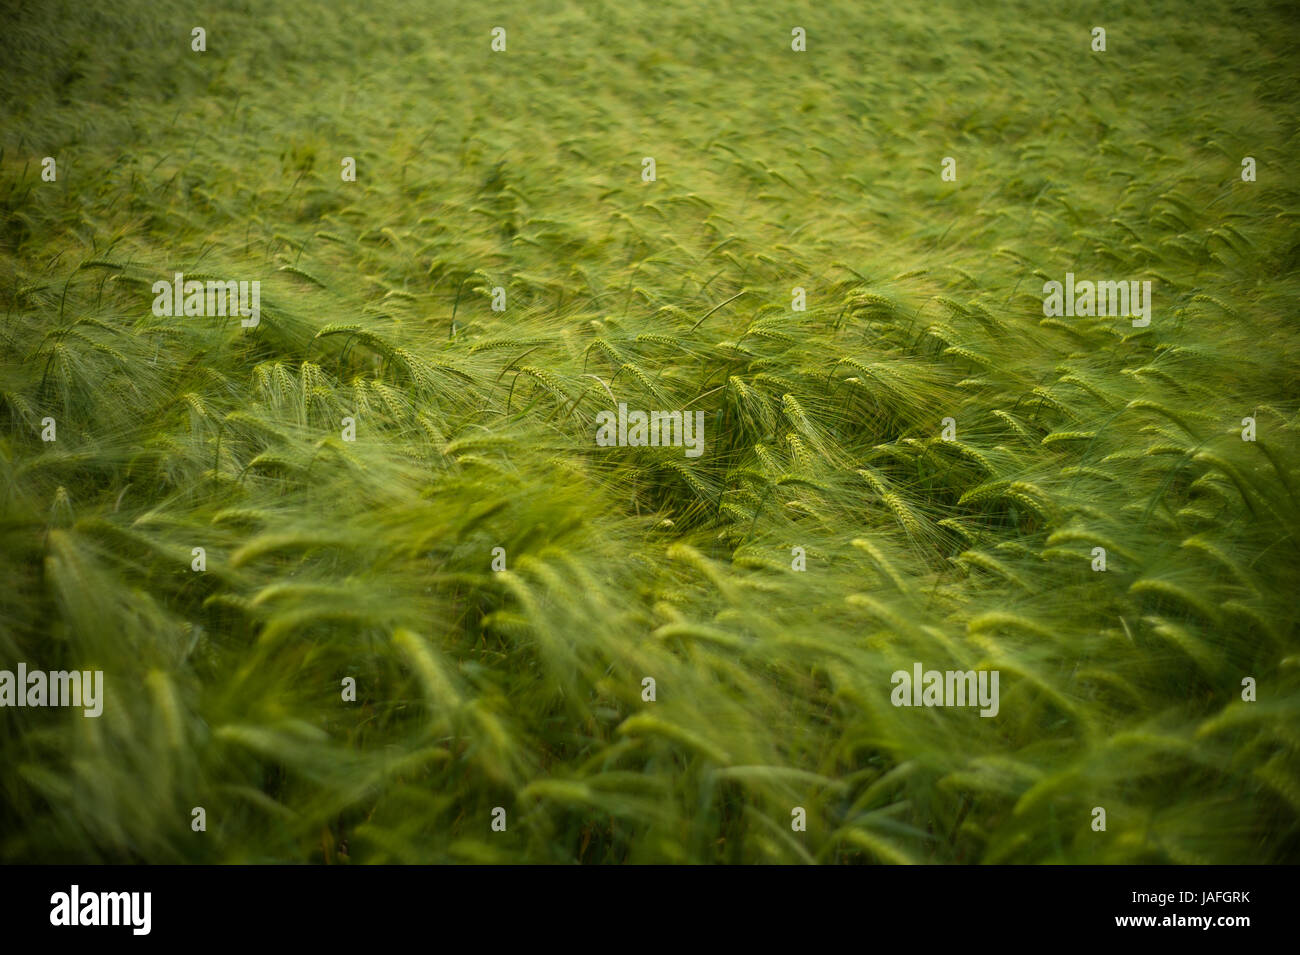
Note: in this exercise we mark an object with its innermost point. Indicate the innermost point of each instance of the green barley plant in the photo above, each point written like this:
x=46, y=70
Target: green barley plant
x=496, y=587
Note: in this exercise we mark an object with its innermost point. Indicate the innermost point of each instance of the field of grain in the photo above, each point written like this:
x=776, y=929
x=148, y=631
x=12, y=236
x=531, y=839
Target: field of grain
x=395, y=481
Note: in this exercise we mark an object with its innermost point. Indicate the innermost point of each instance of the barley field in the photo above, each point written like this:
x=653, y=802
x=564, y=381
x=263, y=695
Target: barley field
x=365, y=584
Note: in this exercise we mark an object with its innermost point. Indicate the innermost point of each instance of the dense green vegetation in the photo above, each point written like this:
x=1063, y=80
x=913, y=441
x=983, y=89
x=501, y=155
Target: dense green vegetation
x=372, y=559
